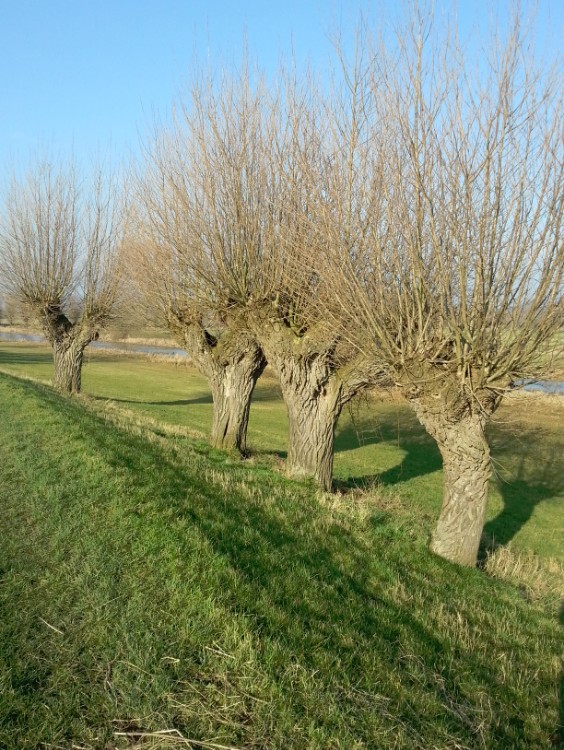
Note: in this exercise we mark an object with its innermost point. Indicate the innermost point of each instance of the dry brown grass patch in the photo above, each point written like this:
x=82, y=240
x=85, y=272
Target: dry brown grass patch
x=540, y=579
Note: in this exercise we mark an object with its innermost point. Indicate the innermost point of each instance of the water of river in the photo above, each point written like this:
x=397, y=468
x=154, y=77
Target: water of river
x=120, y=347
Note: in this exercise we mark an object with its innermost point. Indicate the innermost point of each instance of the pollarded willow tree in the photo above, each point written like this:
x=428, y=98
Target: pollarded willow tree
x=184, y=245
x=218, y=345
x=461, y=289
x=317, y=163
x=228, y=200
x=59, y=245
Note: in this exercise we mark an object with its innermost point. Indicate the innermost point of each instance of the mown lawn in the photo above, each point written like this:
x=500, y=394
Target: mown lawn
x=379, y=441
x=148, y=583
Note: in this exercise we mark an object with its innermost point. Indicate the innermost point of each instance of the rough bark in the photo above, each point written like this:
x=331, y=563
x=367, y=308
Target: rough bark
x=314, y=389
x=68, y=356
x=314, y=405
x=232, y=362
x=232, y=385
x=467, y=470
x=69, y=340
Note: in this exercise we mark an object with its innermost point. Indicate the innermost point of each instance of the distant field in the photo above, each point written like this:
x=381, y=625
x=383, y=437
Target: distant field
x=153, y=590
x=379, y=442
x=148, y=335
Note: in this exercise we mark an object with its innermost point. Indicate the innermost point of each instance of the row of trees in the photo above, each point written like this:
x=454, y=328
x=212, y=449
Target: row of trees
x=404, y=227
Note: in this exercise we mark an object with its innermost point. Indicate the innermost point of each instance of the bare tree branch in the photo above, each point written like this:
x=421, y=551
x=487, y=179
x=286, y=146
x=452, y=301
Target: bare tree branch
x=458, y=290
x=59, y=247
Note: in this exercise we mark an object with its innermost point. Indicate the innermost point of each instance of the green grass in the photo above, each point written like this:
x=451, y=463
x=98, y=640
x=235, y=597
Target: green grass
x=149, y=583
x=379, y=443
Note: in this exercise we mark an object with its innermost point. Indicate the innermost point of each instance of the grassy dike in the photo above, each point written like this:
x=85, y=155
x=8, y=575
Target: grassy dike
x=379, y=442
x=152, y=589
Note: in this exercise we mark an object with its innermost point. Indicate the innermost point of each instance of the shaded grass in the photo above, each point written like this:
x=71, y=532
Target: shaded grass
x=148, y=582
x=379, y=441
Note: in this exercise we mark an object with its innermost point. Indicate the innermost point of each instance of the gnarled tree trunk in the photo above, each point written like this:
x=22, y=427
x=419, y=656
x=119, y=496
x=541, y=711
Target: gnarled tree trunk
x=232, y=361
x=311, y=434
x=315, y=387
x=313, y=398
x=68, y=355
x=232, y=385
x=69, y=340
x=466, y=467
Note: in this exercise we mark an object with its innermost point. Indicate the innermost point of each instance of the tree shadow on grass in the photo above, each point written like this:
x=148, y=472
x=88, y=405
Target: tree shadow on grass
x=254, y=544
x=325, y=595
x=404, y=432
x=39, y=357
x=262, y=394
x=203, y=399
x=265, y=391
x=524, y=488
x=520, y=498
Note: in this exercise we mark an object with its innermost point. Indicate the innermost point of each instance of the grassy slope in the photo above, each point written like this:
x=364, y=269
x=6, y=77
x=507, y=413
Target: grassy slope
x=382, y=443
x=193, y=592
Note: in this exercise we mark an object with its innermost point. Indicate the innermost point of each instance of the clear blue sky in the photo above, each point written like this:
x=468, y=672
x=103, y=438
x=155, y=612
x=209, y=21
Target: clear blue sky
x=88, y=74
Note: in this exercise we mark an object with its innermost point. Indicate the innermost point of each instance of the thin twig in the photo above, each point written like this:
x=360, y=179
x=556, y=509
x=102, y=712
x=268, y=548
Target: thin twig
x=60, y=632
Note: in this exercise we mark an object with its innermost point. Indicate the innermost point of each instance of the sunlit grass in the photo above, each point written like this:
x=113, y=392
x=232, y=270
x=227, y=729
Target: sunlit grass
x=149, y=583
x=379, y=441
